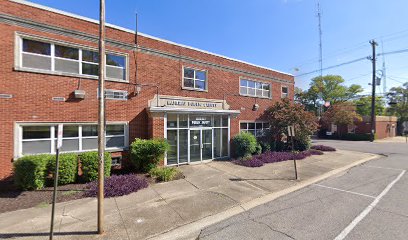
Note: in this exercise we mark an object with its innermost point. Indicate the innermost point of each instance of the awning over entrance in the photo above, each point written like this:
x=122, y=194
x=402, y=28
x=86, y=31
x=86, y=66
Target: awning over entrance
x=176, y=104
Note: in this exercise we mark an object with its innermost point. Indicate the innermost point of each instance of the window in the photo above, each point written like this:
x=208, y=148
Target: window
x=256, y=128
x=76, y=137
x=285, y=92
x=194, y=79
x=254, y=89
x=115, y=94
x=72, y=60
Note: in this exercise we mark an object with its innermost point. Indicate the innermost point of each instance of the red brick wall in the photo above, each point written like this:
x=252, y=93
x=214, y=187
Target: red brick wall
x=32, y=92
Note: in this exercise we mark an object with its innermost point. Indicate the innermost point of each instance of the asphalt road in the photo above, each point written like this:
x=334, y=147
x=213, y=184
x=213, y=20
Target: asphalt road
x=369, y=201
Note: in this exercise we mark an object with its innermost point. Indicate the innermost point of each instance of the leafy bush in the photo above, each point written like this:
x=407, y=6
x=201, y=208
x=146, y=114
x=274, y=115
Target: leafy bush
x=244, y=144
x=323, y=148
x=258, y=149
x=30, y=171
x=272, y=157
x=117, y=185
x=68, y=168
x=315, y=152
x=255, y=162
x=164, y=174
x=146, y=154
x=266, y=146
x=302, y=143
x=89, y=165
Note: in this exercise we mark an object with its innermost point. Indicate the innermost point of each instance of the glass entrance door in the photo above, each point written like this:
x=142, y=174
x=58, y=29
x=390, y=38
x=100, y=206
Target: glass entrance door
x=195, y=145
x=206, y=146
x=201, y=145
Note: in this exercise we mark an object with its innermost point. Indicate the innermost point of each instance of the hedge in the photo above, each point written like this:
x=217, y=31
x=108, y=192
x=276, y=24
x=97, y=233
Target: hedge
x=89, y=165
x=30, y=172
x=68, y=168
x=146, y=154
x=244, y=145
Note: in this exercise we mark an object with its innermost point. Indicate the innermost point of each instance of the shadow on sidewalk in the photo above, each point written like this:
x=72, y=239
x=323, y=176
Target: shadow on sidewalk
x=16, y=235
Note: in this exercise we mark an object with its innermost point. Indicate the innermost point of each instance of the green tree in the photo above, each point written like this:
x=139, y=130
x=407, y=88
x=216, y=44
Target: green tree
x=363, y=105
x=399, y=95
x=331, y=88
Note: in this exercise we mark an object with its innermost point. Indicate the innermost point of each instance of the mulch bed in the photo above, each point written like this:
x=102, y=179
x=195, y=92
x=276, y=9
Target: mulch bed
x=12, y=199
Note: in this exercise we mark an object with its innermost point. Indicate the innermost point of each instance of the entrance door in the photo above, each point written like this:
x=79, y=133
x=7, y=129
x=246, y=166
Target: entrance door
x=200, y=145
x=195, y=145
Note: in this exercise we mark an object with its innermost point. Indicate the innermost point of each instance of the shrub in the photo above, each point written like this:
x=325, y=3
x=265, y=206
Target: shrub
x=244, y=144
x=146, y=154
x=266, y=146
x=89, y=165
x=30, y=171
x=302, y=143
x=315, y=152
x=164, y=174
x=258, y=149
x=323, y=148
x=255, y=162
x=117, y=185
x=68, y=168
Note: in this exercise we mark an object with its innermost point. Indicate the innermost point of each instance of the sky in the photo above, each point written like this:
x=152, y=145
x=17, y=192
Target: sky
x=279, y=34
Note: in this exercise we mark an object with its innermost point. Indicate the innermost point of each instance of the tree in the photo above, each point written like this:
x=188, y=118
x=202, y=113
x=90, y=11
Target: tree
x=363, y=105
x=341, y=114
x=399, y=95
x=330, y=88
x=285, y=113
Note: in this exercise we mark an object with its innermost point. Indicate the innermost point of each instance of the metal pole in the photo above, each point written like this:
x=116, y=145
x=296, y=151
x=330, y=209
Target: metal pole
x=294, y=160
x=54, y=195
x=101, y=116
x=373, y=85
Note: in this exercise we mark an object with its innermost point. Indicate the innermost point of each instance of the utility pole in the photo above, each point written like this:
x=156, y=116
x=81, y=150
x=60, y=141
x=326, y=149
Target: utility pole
x=101, y=116
x=373, y=86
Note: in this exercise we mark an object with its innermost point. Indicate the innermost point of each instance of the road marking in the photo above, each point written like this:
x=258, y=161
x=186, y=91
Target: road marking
x=397, y=169
x=368, y=209
x=341, y=190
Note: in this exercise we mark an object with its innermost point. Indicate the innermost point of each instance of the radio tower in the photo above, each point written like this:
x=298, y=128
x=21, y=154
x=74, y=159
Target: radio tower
x=384, y=77
x=319, y=16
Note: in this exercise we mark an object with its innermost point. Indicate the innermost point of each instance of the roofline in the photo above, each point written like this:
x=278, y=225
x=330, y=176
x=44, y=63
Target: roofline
x=36, y=5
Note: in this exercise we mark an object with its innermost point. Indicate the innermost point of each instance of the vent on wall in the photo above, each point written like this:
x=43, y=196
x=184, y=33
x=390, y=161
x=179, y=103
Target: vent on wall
x=58, y=99
x=3, y=95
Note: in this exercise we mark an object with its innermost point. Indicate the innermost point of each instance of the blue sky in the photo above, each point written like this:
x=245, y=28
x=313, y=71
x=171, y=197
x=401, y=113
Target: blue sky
x=280, y=34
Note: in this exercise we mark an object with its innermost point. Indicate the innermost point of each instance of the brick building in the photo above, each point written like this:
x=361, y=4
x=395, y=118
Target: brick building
x=157, y=88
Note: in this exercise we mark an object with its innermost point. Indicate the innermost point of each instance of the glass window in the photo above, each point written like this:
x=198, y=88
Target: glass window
x=253, y=88
x=66, y=52
x=65, y=59
x=183, y=120
x=171, y=120
x=285, y=92
x=256, y=128
x=90, y=56
x=37, y=47
x=89, y=130
x=115, y=60
x=195, y=79
x=36, y=132
x=115, y=130
x=68, y=131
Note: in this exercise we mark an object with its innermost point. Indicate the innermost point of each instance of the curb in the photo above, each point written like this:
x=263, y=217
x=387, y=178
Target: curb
x=192, y=230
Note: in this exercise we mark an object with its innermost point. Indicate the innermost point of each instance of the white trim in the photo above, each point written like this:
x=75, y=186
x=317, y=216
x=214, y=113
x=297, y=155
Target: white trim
x=140, y=34
x=255, y=89
x=19, y=59
x=190, y=110
x=194, y=79
x=18, y=136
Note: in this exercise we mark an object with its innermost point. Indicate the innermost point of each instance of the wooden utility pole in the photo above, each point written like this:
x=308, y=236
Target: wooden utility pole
x=101, y=116
x=373, y=85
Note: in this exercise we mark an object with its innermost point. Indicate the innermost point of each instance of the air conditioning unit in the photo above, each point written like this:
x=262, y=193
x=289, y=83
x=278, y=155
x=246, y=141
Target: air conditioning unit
x=79, y=94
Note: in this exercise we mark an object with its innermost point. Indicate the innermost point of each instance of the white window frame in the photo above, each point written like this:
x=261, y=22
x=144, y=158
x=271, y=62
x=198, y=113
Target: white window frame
x=194, y=79
x=257, y=132
x=284, y=95
x=18, y=136
x=19, y=59
x=247, y=87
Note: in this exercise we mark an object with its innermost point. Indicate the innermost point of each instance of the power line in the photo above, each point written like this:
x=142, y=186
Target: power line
x=334, y=66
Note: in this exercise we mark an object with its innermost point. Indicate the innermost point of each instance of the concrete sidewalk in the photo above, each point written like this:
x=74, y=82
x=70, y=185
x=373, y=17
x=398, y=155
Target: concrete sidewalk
x=179, y=209
x=398, y=139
